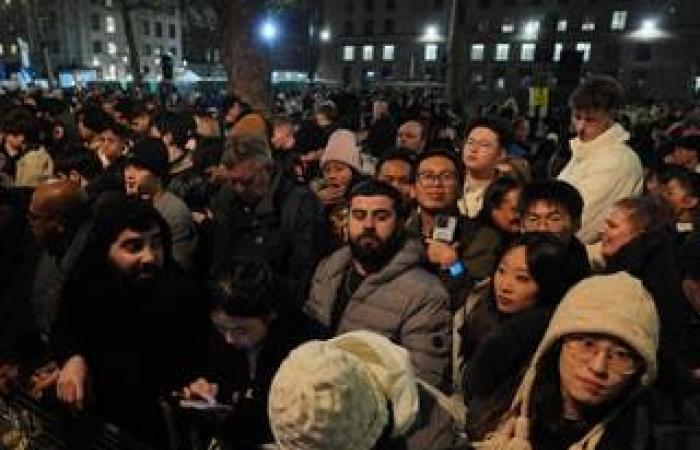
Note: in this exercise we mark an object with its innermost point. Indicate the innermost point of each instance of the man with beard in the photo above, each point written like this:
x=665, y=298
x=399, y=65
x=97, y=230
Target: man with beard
x=376, y=283
x=130, y=326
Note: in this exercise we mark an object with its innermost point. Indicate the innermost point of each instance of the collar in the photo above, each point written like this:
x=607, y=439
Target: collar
x=613, y=136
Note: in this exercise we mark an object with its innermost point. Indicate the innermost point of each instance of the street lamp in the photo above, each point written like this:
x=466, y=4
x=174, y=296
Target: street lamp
x=649, y=30
x=269, y=30
x=325, y=35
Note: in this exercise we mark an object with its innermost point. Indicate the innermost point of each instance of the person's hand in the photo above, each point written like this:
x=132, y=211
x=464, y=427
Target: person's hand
x=43, y=378
x=440, y=253
x=9, y=373
x=201, y=389
x=331, y=195
x=71, y=383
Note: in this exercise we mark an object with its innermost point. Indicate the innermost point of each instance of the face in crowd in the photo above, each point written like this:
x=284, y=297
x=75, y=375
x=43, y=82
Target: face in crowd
x=139, y=181
x=618, y=230
x=372, y=228
x=138, y=255
x=337, y=174
x=397, y=173
x=249, y=179
x=482, y=151
x=590, y=123
x=505, y=216
x=594, y=369
x=514, y=287
x=436, y=186
x=549, y=217
x=410, y=136
x=242, y=333
x=111, y=146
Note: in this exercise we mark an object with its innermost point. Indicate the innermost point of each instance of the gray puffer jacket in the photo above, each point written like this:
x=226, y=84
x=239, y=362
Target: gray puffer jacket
x=408, y=305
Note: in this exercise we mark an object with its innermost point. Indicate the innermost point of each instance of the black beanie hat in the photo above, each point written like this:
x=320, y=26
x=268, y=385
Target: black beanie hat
x=151, y=154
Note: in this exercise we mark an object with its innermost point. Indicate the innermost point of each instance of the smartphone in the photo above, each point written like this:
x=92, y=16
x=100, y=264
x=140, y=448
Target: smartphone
x=444, y=229
x=204, y=405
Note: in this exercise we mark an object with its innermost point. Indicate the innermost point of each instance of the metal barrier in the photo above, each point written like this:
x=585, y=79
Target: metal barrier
x=30, y=424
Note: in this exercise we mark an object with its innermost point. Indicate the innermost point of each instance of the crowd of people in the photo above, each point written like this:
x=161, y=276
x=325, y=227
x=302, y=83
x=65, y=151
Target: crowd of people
x=354, y=275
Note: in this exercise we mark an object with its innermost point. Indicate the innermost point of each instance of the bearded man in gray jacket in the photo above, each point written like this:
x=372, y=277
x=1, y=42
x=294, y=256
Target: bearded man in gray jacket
x=377, y=282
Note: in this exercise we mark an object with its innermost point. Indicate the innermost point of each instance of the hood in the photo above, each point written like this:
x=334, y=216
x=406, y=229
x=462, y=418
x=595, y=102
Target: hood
x=613, y=136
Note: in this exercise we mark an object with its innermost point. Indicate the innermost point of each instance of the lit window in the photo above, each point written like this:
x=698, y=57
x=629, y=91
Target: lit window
x=368, y=52
x=697, y=84
x=110, y=26
x=562, y=25
x=507, y=28
x=619, y=20
x=531, y=28
x=13, y=49
x=2, y=50
x=108, y=3
x=112, y=72
x=502, y=51
x=500, y=83
x=477, y=52
x=527, y=52
x=431, y=51
x=558, y=47
x=111, y=48
x=348, y=53
x=95, y=61
x=588, y=25
x=388, y=52
x=585, y=48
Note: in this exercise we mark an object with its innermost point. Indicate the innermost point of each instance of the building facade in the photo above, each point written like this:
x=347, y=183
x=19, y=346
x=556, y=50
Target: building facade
x=513, y=45
x=66, y=35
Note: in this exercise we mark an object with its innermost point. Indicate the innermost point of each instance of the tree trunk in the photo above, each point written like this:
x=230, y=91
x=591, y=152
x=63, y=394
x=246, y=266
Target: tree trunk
x=245, y=55
x=456, y=57
x=134, y=59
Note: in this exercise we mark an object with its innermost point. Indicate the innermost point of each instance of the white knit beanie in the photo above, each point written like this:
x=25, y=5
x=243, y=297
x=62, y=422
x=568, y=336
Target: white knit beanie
x=342, y=147
x=335, y=395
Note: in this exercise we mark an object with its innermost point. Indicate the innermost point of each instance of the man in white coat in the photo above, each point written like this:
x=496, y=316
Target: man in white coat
x=602, y=167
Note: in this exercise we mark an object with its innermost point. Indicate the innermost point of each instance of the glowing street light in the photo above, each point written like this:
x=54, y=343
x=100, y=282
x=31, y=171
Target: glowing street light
x=269, y=30
x=648, y=26
x=325, y=35
x=649, y=30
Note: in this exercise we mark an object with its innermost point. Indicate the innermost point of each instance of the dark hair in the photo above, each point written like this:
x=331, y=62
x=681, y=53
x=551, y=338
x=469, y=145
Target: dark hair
x=691, y=142
x=79, y=159
x=452, y=156
x=398, y=155
x=116, y=214
x=370, y=187
x=687, y=180
x=231, y=100
x=115, y=127
x=552, y=191
x=329, y=110
x=93, y=117
x=601, y=92
x=245, y=290
x=500, y=127
x=553, y=267
x=181, y=125
x=22, y=122
x=494, y=195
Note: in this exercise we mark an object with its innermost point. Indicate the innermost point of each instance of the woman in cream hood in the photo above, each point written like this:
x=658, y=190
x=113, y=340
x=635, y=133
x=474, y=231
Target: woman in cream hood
x=589, y=383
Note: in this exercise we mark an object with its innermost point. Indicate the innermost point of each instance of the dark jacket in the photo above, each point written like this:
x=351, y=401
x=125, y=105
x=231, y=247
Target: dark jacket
x=381, y=137
x=139, y=343
x=479, y=247
x=247, y=426
x=288, y=229
x=191, y=187
x=653, y=258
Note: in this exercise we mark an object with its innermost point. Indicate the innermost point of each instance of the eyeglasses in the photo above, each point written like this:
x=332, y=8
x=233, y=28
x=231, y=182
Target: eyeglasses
x=429, y=178
x=550, y=220
x=619, y=360
x=481, y=145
